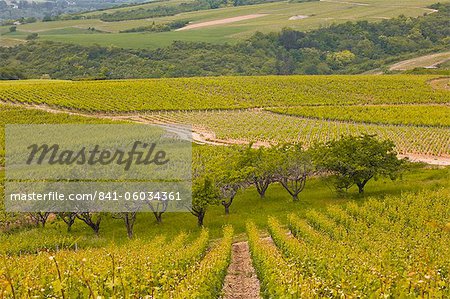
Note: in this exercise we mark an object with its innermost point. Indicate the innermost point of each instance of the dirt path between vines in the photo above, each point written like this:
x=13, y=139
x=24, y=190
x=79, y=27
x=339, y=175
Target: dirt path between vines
x=241, y=281
x=440, y=83
x=200, y=134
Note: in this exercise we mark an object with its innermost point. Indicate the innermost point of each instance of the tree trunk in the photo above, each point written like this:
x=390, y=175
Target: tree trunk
x=96, y=229
x=158, y=211
x=68, y=218
x=261, y=187
x=130, y=231
x=360, y=188
x=87, y=218
x=297, y=186
x=158, y=216
x=200, y=217
x=227, y=205
x=362, y=184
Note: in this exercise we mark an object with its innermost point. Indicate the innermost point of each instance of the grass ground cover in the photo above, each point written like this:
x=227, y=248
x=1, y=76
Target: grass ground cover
x=247, y=206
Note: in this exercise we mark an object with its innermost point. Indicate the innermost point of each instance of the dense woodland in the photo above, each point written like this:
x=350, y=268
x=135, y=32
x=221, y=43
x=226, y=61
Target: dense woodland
x=345, y=48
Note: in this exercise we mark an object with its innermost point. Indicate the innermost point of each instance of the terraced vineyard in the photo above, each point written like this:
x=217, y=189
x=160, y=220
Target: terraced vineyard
x=391, y=248
x=406, y=109
x=251, y=126
x=17, y=115
x=157, y=269
x=223, y=92
x=422, y=115
x=394, y=247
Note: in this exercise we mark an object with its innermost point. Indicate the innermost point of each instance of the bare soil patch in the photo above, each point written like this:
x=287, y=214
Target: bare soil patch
x=427, y=61
x=346, y=2
x=440, y=161
x=298, y=17
x=241, y=281
x=8, y=42
x=221, y=21
x=440, y=83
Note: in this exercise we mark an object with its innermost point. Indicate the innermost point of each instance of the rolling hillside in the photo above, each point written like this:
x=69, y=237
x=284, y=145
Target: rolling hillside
x=272, y=17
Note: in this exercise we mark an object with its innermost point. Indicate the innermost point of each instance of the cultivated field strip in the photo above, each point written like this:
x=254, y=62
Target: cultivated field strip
x=174, y=269
x=421, y=115
x=267, y=127
x=261, y=127
x=396, y=247
x=223, y=92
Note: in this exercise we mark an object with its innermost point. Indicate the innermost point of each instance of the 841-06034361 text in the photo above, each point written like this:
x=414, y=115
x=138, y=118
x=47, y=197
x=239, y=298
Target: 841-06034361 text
x=98, y=196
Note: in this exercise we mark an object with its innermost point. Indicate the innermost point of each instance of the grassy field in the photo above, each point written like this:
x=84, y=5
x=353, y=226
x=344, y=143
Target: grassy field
x=277, y=15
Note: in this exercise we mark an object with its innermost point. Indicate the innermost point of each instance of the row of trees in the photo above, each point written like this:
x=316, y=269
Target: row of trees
x=217, y=177
x=220, y=172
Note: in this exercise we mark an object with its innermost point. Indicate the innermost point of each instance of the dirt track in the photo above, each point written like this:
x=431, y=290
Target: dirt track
x=441, y=83
x=427, y=61
x=220, y=22
x=241, y=281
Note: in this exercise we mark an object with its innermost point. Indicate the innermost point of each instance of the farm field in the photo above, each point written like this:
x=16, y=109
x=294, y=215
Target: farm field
x=423, y=115
x=336, y=227
x=224, y=92
x=277, y=16
x=266, y=149
x=17, y=115
x=343, y=251
x=326, y=243
x=233, y=110
x=159, y=268
x=237, y=127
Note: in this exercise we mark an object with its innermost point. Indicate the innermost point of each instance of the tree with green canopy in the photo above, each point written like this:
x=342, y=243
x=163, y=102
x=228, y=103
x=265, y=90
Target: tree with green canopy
x=355, y=160
x=260, y=163
x=294, y=165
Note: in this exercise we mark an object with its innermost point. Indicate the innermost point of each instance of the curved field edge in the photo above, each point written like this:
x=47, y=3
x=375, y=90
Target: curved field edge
x=419, y=115
x=264, y=128
x=204, y=93
x=258, y=127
